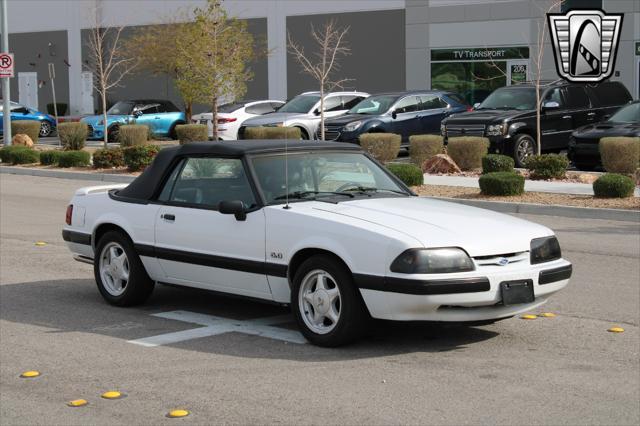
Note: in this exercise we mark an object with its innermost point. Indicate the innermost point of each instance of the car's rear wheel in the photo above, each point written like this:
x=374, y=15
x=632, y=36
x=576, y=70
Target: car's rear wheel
x=120, y=275
x=45, y=129
x=524, y=146
x=326, y=304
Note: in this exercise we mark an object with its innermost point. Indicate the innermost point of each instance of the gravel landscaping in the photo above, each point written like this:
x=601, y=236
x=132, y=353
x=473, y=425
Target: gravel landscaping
x=632, y=203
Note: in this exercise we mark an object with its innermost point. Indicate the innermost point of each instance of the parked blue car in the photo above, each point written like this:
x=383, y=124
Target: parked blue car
x=21, y=112
x=161, y=116
x=403, y=113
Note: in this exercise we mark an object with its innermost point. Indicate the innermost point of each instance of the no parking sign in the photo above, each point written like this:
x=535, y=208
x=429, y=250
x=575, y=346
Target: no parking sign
x=6, y=65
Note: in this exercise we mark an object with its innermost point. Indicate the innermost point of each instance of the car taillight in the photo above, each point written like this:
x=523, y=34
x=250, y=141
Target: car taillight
x=469, y=108
x=226, y=120
x=69, y=214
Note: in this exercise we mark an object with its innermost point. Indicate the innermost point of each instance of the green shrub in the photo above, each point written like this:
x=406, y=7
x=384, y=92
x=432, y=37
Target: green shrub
x=467, y=151
x=501, y=183
x=613, y=185
x=30, y=128
x=423, y=147
x=50, y=158
x=192, y=133
x=62, y=108
x=273, y=133
x=74, y=159
x=6, y=153
x=73, y=135
x=25, y=156
x=133, y=134
x=547, y=166
x=497, y=163
x=383, y=147
x=410, y=174
x=138, y=157
x=107, y=158
x=620, y=154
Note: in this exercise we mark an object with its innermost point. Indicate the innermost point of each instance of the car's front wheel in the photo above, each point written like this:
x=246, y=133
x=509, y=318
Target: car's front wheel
x=120, y=275
x=326, y=304
x=524, y=146
x=45, y=129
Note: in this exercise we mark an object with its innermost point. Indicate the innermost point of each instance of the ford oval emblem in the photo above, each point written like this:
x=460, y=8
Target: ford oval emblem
x=503, y=261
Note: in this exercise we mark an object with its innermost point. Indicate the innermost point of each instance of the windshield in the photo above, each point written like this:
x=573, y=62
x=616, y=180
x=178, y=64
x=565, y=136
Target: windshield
x=121, y=108
x=374, y=105
x=510, y=98
x=300, y=104
x=321, y=174
x=628, y=114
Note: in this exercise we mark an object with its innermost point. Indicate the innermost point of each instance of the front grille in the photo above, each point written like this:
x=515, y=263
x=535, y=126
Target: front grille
x=331, y=132
x=498, y=259
x=89, y=130
x=586, y=141
x=465, y=130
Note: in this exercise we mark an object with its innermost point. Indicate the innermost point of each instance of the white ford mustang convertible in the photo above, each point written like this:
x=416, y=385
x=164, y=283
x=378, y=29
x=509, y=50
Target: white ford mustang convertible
x=317, y=225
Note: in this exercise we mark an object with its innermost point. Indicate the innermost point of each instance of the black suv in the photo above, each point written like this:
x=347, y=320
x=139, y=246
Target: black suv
x=507, y=117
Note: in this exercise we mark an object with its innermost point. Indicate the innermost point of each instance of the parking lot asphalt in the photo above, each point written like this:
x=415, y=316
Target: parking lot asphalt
x=562, y=370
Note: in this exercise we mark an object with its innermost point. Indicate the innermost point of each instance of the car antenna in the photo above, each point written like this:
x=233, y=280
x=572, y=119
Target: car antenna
x=286, y=170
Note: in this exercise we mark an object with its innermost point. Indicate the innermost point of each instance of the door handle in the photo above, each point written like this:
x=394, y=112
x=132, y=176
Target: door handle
x=591, y=114
x=566, y=117
x=168, y=217
x=158, y=118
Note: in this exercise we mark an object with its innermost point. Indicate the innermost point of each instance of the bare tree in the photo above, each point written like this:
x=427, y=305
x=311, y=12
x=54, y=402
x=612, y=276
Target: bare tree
x=107, y=59
x=537, y=63
x=325, y=61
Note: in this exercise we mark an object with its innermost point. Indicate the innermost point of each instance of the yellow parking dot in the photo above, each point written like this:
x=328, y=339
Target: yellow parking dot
x=177, y=413
x=529, y=317
x=77, y=403
x=40, y=243
x=547, y=315
x=30, y=374
x=616, y=330
x=111, y=395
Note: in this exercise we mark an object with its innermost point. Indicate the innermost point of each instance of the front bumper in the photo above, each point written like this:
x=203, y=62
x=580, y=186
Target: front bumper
x=459, y=298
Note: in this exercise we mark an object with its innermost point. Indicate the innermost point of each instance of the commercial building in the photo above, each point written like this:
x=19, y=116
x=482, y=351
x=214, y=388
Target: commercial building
x=470, y=46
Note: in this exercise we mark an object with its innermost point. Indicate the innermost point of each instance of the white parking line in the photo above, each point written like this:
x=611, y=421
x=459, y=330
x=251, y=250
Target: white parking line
x=213, y=326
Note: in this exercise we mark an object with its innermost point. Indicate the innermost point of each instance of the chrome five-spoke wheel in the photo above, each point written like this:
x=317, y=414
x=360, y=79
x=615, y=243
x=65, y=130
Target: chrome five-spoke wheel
x=114, y=268
x=319, y=300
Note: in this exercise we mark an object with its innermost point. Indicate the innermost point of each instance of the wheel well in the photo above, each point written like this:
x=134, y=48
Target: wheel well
x=103, y=229
x=305, y=254
x=303, y=131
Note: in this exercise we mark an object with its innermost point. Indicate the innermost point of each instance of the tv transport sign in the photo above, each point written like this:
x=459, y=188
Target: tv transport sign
x=6, y=65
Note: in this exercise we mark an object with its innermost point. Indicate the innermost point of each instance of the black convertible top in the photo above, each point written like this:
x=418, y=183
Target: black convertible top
x=145, y=185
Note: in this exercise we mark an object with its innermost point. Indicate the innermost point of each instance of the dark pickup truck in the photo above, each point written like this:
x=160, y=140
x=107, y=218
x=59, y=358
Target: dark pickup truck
x=507, y=117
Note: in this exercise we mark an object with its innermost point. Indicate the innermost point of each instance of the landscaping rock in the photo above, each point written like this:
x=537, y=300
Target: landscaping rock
x=441, y=163
x=21, y=139
x=587, y=178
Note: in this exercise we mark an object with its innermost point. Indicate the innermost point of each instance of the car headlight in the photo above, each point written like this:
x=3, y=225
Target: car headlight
x=545, y=250
x=496, y=129
x=432, y=261
x=354, y=125
x=443, y=129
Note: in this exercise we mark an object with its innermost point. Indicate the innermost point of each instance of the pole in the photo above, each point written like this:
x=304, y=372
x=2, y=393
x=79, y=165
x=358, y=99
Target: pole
x=6, y=90
x=52, y=76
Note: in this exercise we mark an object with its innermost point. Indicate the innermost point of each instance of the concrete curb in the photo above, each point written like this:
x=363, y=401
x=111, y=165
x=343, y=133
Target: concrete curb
x=503, y=207
x=101, y=177
x=550, y=210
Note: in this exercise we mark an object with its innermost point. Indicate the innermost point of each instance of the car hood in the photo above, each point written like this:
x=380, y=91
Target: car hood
x=345, y=119
x=274, y=117
x=485, y=116
x=438, y=223
x=606, y=128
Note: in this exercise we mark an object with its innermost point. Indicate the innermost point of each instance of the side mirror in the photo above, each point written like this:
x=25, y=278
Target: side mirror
x=316, y=111
x=137, y=113
x=235, y=208
x=394, y=114
x=550, y=105
x=476, y=105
